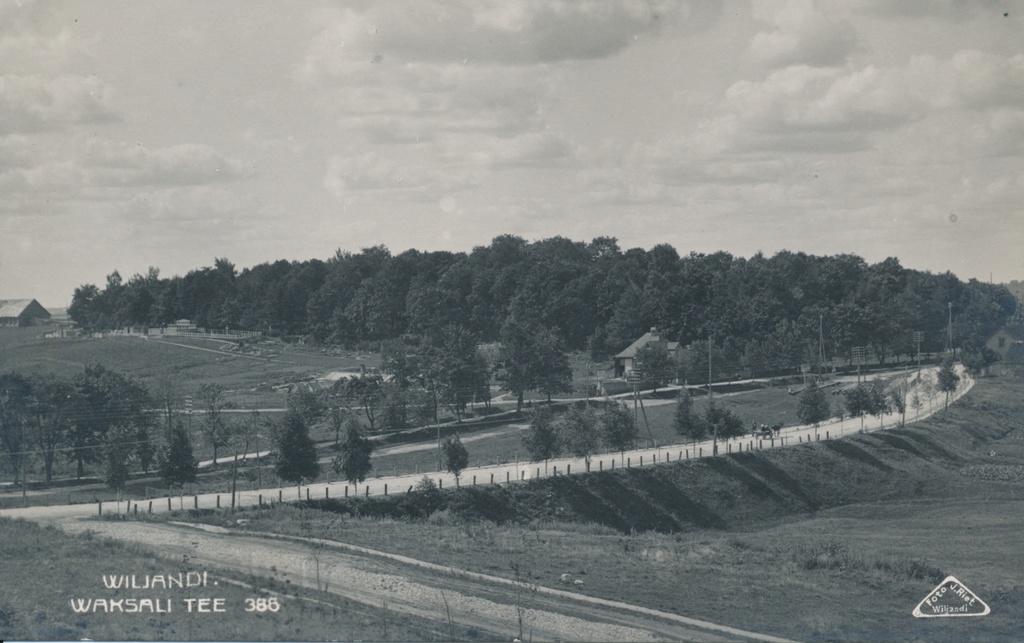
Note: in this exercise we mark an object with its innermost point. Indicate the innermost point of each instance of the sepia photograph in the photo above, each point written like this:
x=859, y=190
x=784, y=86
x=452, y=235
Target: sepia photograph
x=512, y=320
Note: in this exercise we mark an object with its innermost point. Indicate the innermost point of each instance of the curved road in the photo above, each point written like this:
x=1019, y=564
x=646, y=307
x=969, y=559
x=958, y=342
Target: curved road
x=414, y=587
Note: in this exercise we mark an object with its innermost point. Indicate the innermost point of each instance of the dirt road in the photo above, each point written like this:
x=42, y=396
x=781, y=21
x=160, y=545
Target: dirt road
x=415, y=588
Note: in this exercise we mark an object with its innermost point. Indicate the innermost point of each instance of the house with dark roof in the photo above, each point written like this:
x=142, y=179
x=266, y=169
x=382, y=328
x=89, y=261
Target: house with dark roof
x=1003, y=339
x=22, y=312
x=625, y=361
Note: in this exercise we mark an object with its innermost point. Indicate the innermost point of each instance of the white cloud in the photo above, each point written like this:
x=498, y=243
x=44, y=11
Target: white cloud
x=509, y=32
x=802, y=34
x=34, y=103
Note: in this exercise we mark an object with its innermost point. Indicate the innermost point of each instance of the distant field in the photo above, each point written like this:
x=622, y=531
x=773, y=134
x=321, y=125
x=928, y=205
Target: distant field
x=191, y=362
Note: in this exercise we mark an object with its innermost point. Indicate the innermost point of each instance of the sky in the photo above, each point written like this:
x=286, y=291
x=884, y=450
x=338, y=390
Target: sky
x=167, y=134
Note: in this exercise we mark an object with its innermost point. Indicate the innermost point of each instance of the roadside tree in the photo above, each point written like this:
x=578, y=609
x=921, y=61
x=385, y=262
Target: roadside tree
x=53, y=402
x=813, y=407
x=353, y=462
x=210, y=398
x=618, y=428
x=105, y=399
x=721, y=422
x=15, y=405
x=296, y=458
x=176, y=462
x=687, y=422
x=541, y=439
x=578, y=432
x=948, y=379
x=456, y=458
x=117, y=452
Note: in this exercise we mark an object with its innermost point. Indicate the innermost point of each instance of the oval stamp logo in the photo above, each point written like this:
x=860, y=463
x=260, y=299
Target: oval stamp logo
x=951, y=598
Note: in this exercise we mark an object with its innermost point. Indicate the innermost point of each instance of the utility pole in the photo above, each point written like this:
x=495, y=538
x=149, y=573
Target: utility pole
x=906, y=387
x=256, y=436
x=949, y=330
x=821, y=344
x=710, y=392
x=918, y=336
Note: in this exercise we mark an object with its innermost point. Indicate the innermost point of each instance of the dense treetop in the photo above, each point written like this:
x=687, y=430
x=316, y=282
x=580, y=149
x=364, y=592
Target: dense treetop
x=593, y=295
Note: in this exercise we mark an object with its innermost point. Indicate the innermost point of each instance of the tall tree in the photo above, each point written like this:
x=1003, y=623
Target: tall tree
x=578, y=432
x=296, y=458
x=687, y=422
x=354, y=461
x=210, y=398
x=15, y=409
x=117, y=453
x=105, y=399
x=947, y=378
x=176, y=463
x=656, y=366
x=618, y=427
x=53, y=404
x=541, y=439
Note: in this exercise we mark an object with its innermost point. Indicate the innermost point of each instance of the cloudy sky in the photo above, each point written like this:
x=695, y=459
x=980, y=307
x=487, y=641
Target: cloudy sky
x=137, y=134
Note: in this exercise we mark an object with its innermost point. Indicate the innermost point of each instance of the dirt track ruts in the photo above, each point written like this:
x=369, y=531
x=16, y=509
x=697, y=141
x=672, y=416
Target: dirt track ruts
x=412, y=589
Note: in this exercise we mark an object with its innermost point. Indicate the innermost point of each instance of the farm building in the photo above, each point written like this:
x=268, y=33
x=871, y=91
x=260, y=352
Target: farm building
x=624, y=361
x=22, y=312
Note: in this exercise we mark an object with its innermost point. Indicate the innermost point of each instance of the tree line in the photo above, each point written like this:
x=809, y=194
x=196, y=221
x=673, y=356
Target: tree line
x=113, y=425
x=764, y=312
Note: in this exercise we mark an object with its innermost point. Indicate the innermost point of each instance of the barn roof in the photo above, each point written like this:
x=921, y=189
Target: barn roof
x=645, y=339
x=15, y=307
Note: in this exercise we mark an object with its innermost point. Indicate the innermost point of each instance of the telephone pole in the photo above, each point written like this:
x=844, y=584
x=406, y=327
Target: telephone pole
x=949, y=330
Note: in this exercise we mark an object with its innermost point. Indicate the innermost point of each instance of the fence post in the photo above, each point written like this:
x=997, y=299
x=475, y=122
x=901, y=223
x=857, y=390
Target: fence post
x=508, y=475
x=629, y=461
x=367, y=491
x=327, y=492
x=218, y=501
x=100, y=502
x=195, y=501
x=168, y=503
x=346, y=491
x=150, y=506
x=492, y=478
x=261, y=501
x=280, y=495
x=307, y=493
x=600, y=465
x=568, y=469
x=385, y=488
x=826, y=435
x=474, y=481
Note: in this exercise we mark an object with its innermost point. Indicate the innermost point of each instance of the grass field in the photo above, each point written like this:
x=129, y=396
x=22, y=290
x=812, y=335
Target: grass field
x=826, y=541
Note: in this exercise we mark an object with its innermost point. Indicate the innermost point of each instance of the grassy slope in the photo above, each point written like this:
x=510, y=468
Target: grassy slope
x=826, y=541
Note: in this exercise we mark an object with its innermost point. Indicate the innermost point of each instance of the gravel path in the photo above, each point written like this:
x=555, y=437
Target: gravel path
x=413, y=590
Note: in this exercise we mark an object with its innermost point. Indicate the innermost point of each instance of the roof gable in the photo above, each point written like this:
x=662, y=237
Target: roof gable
x=645, y=339
x=18, y=307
